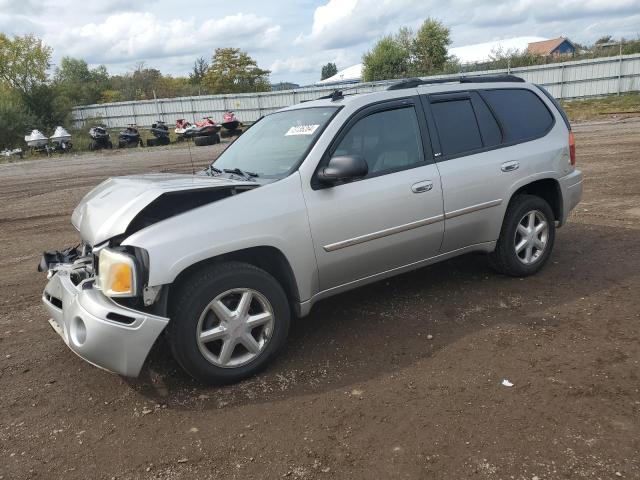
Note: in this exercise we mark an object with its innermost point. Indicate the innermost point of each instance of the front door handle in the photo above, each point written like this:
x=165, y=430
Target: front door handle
x=510, y=166
x=422, y=187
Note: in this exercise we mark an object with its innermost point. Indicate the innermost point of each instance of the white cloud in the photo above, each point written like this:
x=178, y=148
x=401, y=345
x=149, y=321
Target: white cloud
x=134, y=36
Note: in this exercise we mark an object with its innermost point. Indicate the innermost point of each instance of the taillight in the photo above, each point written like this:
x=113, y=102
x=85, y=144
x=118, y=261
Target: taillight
x=572, y=148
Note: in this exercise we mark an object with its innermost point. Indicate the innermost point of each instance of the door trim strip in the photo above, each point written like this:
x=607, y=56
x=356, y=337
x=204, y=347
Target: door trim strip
x=332, y=247
x=382, y=233
x=472, y=208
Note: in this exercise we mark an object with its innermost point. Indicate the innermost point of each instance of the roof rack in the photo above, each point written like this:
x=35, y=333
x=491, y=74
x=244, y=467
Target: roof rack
x=415, y=82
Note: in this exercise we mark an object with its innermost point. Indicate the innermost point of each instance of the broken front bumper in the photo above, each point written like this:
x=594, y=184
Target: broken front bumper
x=96, y=328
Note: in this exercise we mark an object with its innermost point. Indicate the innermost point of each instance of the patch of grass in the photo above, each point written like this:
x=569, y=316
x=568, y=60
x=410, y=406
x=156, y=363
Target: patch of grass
x=626, y=104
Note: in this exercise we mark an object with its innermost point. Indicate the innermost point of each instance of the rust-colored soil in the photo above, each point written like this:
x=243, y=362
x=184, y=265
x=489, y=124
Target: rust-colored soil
x=400, y=379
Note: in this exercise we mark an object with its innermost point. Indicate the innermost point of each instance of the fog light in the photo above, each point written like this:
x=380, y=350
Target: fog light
x=78, y=331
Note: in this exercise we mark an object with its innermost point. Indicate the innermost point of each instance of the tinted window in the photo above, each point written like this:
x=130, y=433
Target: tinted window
x=457, y=126
x=489, y=129
x=557, y=105
x=522, y=113
x=388, y=140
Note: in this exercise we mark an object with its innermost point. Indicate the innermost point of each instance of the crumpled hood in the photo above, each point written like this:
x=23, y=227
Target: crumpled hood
x=108, y=209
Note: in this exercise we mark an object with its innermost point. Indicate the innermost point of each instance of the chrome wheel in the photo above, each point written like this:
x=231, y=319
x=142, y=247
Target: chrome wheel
x=235, y=327
x=531, y=237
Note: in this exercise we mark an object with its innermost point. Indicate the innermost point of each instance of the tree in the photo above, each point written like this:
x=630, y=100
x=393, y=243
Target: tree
x=81, y=85
x=234, y=71
x=430, y=47
x=15, y=119
x=387, y=59
x=604, y=39
x=24, y=62
x=200, y=67
x=328, y=70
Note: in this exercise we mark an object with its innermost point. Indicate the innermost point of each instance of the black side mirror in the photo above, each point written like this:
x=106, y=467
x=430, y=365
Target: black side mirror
x=341, y=168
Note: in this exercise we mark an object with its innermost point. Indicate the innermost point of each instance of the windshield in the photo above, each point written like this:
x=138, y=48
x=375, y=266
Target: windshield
x=275, y=144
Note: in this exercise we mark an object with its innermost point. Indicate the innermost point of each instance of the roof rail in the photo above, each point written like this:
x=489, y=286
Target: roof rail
x=416, y=82
x=335, y=95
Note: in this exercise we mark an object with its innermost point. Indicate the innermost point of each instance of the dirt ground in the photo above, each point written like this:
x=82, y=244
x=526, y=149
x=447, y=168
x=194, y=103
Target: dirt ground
x=400, y=379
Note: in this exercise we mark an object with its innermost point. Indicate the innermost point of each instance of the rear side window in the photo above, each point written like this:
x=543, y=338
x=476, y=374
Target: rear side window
x=457, y=126
x=521, y=112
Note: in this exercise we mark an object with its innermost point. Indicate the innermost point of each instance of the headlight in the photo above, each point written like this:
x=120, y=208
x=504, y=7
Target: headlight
x=117, y=274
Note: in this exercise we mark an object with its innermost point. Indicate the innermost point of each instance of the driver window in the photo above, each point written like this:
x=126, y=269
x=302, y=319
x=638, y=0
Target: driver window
x=388, y=141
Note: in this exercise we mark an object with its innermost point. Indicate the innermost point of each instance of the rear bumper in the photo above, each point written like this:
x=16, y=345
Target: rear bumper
x=571, y=188
x=97, y=329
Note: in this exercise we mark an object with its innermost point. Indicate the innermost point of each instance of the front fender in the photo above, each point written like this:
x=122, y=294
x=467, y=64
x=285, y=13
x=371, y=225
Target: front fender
x=273, y=215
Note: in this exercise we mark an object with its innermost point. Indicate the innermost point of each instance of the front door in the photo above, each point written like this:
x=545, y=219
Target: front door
x=391, y=218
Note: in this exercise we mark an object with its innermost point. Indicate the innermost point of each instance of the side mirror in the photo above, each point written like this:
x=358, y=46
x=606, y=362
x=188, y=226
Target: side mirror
x=341, y=168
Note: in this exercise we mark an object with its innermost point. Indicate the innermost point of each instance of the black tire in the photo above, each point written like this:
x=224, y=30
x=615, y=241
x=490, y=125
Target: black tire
x=109, y=144
x=191, y=299
x=152, y=142
x=122, y=144
x=504, y=258
x=164, y=141
x=207, y=140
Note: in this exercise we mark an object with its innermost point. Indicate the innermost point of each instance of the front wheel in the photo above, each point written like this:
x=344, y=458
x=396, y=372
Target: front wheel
x=228, y=322
x=527, y=237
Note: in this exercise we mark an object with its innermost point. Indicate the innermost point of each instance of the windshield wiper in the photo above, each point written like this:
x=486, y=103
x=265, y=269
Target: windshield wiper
x=212, y=171
x=248, y=175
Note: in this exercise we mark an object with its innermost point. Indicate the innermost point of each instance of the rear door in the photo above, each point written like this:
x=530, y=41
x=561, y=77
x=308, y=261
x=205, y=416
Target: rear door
x=477, y=139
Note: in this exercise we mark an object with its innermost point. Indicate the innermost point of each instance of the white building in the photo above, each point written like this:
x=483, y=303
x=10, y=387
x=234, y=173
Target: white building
x=481, y=52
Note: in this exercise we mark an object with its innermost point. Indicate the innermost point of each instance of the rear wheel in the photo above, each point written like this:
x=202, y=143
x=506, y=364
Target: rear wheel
x=526, y=238
x=228, y=322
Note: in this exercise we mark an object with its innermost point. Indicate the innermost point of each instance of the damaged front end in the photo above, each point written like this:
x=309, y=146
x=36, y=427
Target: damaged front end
x=93, y=325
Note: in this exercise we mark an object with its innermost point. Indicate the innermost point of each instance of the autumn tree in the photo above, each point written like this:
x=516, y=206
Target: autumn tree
x=234, y=71
x=328, y=70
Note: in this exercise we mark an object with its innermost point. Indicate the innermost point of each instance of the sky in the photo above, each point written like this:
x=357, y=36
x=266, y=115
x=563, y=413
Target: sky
x=293, y=39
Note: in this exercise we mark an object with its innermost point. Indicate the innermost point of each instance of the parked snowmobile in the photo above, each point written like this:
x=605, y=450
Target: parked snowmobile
x=161, y=133
x=99, y=138
x=129, y=137
x=61, y=140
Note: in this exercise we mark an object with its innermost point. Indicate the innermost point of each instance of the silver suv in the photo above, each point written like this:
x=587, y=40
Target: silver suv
x=313, y=200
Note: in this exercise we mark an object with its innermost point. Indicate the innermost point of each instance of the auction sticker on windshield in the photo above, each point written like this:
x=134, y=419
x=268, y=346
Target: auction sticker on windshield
x=302, y=130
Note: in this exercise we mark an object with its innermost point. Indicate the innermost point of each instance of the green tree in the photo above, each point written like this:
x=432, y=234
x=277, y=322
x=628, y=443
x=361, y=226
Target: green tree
x=386, y=60
x=429, y=48
x=15, y=119
x=328, y=70
x=200, y=67
x=234, y=71
x=81, y=85
x=24, y=61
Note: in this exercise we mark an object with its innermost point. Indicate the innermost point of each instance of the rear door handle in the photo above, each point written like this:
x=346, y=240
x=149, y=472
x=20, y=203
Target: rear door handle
x=510, y=166
x=422, y=187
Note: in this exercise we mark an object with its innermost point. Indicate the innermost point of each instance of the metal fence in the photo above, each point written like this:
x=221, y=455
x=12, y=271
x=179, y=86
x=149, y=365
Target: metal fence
x=575, y=79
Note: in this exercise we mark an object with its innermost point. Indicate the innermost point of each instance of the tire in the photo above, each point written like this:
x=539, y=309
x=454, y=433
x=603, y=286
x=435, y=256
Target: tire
x=122, y=144
x=164, y=140
x=521, y=211
x=109, y=144
x=207, y=140
x=190, y=315
x=152, y=142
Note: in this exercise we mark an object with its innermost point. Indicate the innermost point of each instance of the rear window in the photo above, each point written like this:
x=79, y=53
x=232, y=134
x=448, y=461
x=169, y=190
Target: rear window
x=457, y=126
x=521, y=112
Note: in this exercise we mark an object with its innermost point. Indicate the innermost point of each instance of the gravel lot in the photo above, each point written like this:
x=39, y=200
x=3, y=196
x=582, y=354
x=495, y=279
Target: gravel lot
x=400, y=379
